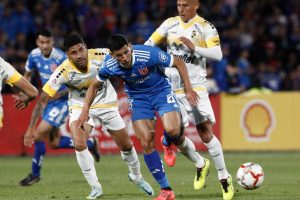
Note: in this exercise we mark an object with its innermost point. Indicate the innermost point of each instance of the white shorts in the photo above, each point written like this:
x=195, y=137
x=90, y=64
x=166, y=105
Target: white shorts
x=200, y=113
x=109, y=117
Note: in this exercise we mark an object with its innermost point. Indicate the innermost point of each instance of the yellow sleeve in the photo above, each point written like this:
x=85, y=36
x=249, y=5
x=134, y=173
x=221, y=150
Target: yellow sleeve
x=50, y=91
x=214, y=41
x=14, y=78
x=156, y=38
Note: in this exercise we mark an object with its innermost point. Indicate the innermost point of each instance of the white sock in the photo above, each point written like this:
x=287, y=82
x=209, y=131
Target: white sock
x=86, y=163
x=132, y=160
x=215, y=151
x=188, y=149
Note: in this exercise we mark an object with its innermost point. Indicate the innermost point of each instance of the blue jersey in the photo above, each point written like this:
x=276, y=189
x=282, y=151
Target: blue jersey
x=45, y=66
x=56, y=111
x=147, y=71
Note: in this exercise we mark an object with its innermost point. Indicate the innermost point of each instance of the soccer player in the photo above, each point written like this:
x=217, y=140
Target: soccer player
x=9, y=75
x=193, y=39
x=77, y=73
x=45, y=59
x=148, y=92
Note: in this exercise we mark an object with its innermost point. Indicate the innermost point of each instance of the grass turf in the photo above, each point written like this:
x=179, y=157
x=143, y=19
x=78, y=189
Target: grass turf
x=62, y=178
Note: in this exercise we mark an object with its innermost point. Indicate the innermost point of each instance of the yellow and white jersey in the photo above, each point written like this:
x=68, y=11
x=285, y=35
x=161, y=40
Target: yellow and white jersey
x=8, y=75
x=78, y=82
x=198, y=31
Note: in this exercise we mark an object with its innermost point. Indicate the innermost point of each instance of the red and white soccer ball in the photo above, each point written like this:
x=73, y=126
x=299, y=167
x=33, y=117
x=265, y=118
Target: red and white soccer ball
x=250, y=175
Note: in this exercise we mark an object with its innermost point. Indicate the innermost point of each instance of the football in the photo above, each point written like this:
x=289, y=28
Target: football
x=250, y=176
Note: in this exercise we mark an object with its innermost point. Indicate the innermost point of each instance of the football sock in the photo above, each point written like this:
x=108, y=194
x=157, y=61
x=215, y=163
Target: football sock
x=65, y=142
x=215, y=151
x=155, y=166
x=166, y=141
x=131, y=159
x=86, y=163
x=90, y=143
x=188, y=149
x=37, y=160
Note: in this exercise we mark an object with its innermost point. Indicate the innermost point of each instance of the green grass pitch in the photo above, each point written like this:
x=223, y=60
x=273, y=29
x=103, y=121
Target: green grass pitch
x=62, y=178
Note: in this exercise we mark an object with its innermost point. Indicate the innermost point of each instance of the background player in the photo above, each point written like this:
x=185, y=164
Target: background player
x=45, y=59
x=77, y=73
x=148, y=92
x=9, y=75
x=193, y=39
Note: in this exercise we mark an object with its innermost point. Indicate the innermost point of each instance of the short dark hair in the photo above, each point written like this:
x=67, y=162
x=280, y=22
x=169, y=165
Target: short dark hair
x=72, y=40
x=44, y=32
x=116, y=42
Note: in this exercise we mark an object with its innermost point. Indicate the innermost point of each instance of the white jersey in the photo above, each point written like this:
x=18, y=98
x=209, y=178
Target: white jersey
x=8, y=75
x=198, y=31
x=78, y=82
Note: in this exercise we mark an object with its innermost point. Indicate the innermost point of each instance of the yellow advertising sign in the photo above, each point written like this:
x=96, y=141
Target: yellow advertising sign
x=261, y=122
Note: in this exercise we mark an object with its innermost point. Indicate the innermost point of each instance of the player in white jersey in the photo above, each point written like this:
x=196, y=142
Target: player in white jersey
x=193, y=39
x=77, y=73
x=9, y=75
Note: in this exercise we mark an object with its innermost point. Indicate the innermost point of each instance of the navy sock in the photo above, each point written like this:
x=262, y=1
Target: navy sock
x=90, y=144
x=155, y=166
x=39, y=152
x=65, y=142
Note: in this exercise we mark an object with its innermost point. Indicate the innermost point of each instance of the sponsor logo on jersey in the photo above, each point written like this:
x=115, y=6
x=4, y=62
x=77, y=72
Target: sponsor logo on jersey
x=257, y=120
x=186, y=58
x=141, y=60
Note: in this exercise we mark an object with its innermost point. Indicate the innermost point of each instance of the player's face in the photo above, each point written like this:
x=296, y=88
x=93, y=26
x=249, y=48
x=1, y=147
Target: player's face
x=187, y=9
x=123, y=56
x=45, y=44
x=78, y=54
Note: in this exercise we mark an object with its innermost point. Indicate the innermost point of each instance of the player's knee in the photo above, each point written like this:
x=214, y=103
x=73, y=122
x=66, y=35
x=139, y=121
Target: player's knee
x=125, y=146
x=147, y=146
x=173, y=131
x=80, y=146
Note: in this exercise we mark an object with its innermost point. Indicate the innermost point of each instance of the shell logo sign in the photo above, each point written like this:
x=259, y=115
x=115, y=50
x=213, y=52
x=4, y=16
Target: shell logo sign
x=257, y=120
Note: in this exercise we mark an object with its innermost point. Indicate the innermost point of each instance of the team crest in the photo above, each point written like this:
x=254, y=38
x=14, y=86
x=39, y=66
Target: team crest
x=53, y=67
x=162, y=56
x=143, y=71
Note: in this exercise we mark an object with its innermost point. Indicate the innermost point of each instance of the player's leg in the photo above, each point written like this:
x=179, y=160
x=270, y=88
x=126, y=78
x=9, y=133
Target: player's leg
x=85, y=159
x=129, y=155
x=204, y=118
x=113, y=122
x=41, y=134
x=145, y=132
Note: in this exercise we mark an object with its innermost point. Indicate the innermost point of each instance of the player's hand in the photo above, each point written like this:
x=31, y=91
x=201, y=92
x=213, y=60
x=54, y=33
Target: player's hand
x=84, y=117
x=192, y=97
x=29, y=137
x=20, y=101
x=190, y=45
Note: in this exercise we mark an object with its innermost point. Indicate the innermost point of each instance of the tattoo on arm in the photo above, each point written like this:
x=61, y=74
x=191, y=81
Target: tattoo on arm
x=37, y=111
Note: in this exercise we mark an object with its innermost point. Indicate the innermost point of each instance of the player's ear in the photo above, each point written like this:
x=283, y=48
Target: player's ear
x=130, y=46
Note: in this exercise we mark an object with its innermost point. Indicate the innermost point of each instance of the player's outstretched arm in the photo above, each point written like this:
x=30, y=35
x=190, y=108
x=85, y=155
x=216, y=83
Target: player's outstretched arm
x=28, y=93
x=36, y=113
x=191, y=95
x=88, y=100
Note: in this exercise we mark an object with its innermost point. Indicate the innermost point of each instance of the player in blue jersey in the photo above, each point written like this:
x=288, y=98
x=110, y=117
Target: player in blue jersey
x=44, y=59
x=149, y=92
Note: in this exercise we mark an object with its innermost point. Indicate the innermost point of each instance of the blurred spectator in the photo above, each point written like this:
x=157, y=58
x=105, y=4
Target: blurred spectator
x=261, y=37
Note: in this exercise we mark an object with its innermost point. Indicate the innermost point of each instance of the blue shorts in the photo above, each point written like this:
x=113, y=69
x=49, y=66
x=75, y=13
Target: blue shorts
x=56, y=112
x=144, y=106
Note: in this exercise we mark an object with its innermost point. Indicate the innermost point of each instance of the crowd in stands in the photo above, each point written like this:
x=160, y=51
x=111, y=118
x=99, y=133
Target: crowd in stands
x=260, y=39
